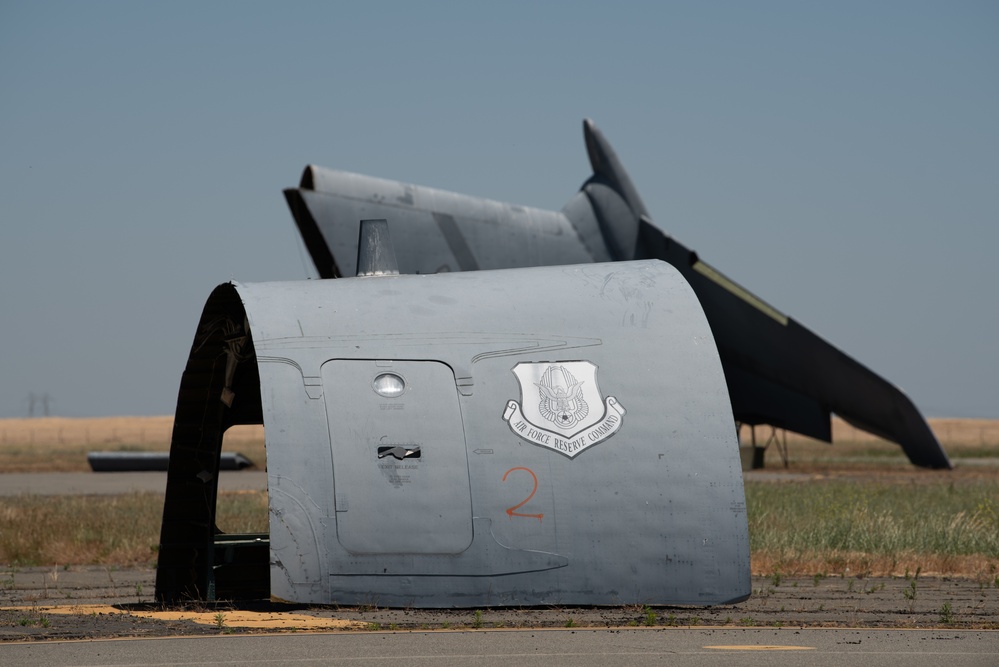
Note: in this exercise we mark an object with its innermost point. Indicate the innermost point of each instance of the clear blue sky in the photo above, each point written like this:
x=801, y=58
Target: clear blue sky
x=840, y=159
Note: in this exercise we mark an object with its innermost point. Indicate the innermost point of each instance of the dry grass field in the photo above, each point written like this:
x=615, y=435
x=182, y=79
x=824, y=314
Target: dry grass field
x=966, y=441
x=61, y=444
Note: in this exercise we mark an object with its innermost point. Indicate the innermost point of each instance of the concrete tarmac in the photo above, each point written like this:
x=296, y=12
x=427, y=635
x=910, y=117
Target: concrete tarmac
x=95, y=602
x=554, y=648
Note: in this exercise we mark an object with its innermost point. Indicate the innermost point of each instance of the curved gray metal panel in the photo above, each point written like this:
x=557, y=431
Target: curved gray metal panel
x=440, y=231
x=588, y=451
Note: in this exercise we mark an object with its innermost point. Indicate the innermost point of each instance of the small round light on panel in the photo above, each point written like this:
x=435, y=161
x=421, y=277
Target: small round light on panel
x=389, y=385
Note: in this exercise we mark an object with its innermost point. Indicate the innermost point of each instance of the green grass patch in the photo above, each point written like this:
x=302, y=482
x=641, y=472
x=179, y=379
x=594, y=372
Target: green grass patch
x=104, y=530
x=795, y=523
x=821, y=527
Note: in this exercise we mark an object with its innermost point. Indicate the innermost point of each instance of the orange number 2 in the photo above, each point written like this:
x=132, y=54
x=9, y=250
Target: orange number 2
x=512, y=511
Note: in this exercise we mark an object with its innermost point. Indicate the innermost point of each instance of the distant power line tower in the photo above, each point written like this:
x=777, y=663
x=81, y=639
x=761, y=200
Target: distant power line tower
x=42, y=400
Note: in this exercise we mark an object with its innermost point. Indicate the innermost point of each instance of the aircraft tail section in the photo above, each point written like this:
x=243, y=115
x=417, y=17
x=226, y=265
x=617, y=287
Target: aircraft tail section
x=781, y=373
x=435, y=231
x=778, y=371
x=614, y=203
x=608, y=168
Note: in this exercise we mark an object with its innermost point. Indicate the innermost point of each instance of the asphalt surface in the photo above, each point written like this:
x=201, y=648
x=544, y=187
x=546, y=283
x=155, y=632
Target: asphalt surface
x=579, y=648
x=104, y=602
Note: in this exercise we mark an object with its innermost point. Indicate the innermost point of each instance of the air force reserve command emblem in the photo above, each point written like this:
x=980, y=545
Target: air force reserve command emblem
x=561, y=407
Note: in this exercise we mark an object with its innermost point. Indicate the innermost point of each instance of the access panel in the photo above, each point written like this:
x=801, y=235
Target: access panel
x=399, y=465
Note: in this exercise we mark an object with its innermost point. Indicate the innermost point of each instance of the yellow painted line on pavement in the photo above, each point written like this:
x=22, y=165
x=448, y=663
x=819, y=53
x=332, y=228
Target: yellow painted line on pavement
x=758, y=647
x=234, y=618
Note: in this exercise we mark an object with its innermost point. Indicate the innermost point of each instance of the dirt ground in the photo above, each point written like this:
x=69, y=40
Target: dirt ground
x=97, y=602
